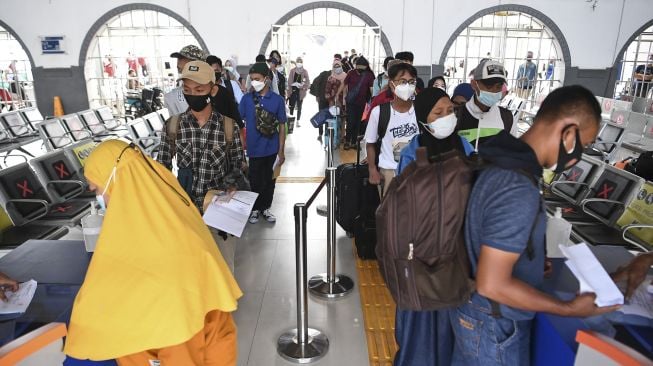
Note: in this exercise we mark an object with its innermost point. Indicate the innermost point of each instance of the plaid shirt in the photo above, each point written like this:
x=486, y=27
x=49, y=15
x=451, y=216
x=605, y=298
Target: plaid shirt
x=205, y=150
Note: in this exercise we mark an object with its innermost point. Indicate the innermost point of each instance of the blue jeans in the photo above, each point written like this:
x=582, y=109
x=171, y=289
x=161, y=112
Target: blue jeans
x=483, y=340
x=424, y=338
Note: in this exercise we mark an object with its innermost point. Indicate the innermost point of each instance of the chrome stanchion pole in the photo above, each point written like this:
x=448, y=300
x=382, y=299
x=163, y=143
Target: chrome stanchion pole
x=331, y=285
x=322, y=210
x=302, y=344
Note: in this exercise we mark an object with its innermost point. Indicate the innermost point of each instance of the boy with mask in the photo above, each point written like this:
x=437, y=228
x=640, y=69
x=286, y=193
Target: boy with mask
x=399, y=129
x=201, y=146
x=504, y=232
x=482, y=117
x=264, y=150
x=174, y=100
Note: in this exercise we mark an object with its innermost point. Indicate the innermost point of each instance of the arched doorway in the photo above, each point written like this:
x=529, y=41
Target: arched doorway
x=16, y=81
x=507, y=33
x=128, y=49
x=634, y=65
x=316, y=31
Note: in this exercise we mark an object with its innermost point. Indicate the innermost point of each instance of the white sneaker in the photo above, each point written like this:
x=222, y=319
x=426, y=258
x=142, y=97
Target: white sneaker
x=253, y=217
x=269, y=217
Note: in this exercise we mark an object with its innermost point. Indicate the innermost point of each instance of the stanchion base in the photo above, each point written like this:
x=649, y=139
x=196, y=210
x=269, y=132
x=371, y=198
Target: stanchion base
x=321, y=210
x=320, y=287
x=316, y=347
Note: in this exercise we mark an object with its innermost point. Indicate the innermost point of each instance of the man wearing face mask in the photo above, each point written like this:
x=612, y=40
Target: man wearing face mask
x=505, y=226
x=174, y=100
x=205, y=155
x=298, y=85
x=265, y=149
x=228, y=95
x=391, y=126
x=482, y=117
x=526, y=76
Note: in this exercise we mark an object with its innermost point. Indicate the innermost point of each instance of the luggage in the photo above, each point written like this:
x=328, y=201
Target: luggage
x=421, y=245
x=356, y=203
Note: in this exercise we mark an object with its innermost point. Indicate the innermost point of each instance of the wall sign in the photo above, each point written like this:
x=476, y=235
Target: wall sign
x=52, y=45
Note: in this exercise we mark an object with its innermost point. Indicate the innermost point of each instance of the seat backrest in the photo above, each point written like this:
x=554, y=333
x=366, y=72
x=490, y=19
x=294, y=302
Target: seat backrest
x=613, y=184
x=5, y=135
x=585, y=172
x=57, y=166
x=15, y=124
x=639, y=105
x=54, y=134
x=139, y=130
x=619, y=116
x=105, y=114
x=20, y=182
x=639, y=212
x=597, y=349
x=607, y=104
x=32, y=116
x=165, y=114
x=42, y=346
x=75, y=127
x=93, y=122
x=77, y=153
x=622, y=105
x=637, y=125
x=612, y=133
x=154, y=121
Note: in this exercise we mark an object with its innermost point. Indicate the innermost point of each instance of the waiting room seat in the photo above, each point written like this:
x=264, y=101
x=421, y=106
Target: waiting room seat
x=54, y=134
x=608, y=139
x=78, y=153
x=12, y=236
x=33, y=116
x=76, y=128
x=106, y=116
x=597, y=349
x=164, y=113
x=26, y=200
x=155, y=123
x=43, y=346
x=15, y=123
x=61, y=176
x=143, y=136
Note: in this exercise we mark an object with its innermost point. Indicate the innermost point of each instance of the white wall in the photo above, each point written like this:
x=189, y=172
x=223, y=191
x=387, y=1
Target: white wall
x=238, y=27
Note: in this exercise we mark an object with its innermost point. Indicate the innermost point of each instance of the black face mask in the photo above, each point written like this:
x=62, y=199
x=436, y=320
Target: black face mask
x=565, y=157
x=197, y=102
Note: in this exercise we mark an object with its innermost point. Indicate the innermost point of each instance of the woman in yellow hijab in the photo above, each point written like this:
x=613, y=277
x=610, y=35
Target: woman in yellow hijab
x=157, y=288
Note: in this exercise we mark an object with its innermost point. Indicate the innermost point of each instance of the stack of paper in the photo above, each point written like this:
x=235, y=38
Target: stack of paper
x=17, y=302
x=591, y=275
x=230, y=215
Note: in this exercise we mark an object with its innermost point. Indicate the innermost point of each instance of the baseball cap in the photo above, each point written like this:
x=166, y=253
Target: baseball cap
x=198, y=71
x=190, y=52
x=489, y=69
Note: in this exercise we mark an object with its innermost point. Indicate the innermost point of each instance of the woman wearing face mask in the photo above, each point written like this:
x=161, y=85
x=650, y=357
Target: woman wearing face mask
x=232, y=73
x=438, y=82
x=174, y=292
x=335, y=85
x=298, y=84
x=425, y=338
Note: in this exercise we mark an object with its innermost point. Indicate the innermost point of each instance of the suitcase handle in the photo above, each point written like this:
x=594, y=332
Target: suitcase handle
x=358, y=149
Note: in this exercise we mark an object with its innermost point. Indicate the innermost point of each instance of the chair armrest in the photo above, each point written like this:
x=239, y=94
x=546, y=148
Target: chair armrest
x=566, y=182
x=13, y=202
x=611, y=348
x=627, y=228
x=584, y=203
x=20, y=348
x=81, y=185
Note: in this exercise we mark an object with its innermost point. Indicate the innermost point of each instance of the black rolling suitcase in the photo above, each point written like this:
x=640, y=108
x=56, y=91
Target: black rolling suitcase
x=356, y=204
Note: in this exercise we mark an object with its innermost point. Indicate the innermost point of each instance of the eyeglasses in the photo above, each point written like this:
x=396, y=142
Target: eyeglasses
x=404, y=82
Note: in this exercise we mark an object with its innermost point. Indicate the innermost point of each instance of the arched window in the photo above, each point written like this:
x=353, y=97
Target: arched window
x=508, y=36
x=16, y=81
x=131, y=52
x=635, y=67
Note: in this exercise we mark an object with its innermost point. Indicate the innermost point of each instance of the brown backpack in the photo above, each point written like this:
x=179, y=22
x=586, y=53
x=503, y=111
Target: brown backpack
x=420, y=240
x=171, y=131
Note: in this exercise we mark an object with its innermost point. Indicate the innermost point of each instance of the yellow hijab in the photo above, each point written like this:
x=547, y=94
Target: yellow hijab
x=156, y=271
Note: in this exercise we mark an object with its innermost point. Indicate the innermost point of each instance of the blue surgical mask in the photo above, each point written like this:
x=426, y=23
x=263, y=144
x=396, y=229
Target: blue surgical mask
x=100, y=197
x=489, y=99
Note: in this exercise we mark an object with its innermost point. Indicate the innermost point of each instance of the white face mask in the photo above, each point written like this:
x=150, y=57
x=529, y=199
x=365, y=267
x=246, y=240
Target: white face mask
x=100, y=197
x=299, y=65
x=258, y=85
x=337, y=70
x=404, y=91
x=229, y=68
x=442, y=127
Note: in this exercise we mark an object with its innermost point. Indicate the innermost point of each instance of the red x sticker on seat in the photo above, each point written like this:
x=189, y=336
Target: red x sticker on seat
x=575, y=174
x=62, y=208
x=606, y=189
x=567, y=210
x=24, y=187
x=60, y=169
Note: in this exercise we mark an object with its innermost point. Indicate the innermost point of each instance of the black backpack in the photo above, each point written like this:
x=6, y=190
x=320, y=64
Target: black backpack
x=318, y=85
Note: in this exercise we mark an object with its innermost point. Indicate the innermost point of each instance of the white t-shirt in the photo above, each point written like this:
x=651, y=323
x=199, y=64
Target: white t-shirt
x=401, y=129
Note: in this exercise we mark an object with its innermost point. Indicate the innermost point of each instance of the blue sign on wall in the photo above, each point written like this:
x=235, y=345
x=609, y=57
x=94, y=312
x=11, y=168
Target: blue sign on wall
x=52, y=45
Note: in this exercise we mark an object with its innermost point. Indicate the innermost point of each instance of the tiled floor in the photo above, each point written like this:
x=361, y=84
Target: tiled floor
x=265, y=268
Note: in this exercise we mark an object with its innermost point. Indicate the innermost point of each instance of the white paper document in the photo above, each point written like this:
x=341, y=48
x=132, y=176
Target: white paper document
x=17, y=302
x=641, y=302
x=230, y=213
x=297, y=85
x=591, y=275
